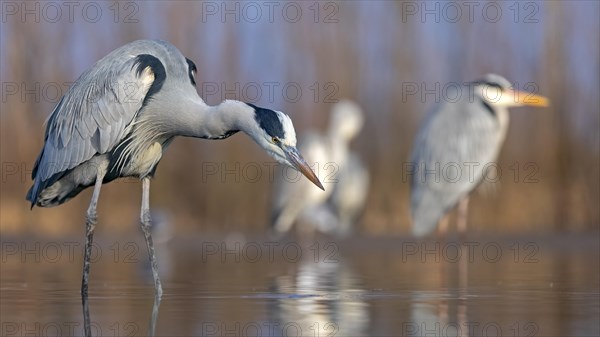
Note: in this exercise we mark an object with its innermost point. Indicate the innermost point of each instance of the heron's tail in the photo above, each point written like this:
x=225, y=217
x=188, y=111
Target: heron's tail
x=46, y=194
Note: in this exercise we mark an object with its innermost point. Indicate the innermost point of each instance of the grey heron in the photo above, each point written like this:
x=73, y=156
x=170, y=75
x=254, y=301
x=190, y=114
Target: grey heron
x=454, y=146
x=121, y=114
x=327, y=154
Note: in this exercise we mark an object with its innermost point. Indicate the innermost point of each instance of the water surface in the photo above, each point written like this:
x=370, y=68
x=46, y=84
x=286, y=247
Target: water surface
x=224, y=286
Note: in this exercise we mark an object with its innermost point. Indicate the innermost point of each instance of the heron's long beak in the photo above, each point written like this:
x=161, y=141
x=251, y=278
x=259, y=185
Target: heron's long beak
x=527, y=98
x=300, y=164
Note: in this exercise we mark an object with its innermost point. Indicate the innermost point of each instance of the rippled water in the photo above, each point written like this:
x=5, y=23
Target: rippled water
x=360, y=287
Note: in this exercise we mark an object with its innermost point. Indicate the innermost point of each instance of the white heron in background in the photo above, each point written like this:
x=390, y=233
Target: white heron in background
x=454, y=145
x=118, y=118
x=344, y=176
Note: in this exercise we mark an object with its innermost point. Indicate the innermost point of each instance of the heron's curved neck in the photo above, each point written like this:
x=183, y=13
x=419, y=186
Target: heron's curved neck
x=218, y=122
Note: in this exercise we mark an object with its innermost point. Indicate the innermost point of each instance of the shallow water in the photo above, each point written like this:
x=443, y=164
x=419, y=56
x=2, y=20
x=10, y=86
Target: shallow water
x=235, y=286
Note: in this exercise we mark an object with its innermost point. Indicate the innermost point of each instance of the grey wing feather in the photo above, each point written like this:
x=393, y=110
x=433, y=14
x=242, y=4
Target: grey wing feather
x=451, y=137
x=92, y=118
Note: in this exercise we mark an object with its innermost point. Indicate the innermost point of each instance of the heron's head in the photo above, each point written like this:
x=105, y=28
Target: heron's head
x=276, y=134
x=346, y=121
x=495, y=90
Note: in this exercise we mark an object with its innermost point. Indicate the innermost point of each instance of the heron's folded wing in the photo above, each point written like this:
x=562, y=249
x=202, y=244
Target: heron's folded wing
x=452, y=148
x=95, y=114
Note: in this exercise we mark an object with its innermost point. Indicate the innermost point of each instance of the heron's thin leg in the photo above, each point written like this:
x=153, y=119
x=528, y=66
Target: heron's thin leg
x=461, y=222
x=146, y=226
x=90, y=224
x=87, y=325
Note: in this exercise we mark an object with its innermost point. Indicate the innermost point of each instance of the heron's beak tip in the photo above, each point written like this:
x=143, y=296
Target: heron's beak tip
x=300, y=164
x=539, y=101
x=319, y=185
x=531, y=99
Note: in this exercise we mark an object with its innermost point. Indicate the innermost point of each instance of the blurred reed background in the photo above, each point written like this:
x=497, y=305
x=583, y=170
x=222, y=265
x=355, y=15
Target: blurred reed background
x=374, y=52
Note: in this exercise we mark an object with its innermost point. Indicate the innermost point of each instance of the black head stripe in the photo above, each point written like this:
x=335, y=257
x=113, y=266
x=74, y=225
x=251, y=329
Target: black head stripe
x=488, y=83
x=143, y=61
x=268, y=121
x=488, y=107
x=494, y=85
x=191, y=70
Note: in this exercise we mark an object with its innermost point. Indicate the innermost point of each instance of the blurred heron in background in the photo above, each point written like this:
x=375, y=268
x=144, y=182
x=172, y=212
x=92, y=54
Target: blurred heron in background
x=453, y=146
x=347, y=201
x=341, y=171
x=118, y=118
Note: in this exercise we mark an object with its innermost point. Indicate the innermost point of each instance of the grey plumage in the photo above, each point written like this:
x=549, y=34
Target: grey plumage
x=97, y=114
x=454, y=145
x=118, y=118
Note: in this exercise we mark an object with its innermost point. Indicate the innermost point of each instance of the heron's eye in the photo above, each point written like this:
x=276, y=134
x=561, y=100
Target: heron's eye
x=192, y=70
x=275, y=140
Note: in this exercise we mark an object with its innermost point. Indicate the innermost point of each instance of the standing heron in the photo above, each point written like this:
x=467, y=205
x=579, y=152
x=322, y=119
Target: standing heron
x=328, y=154
x=118, y=118
x=453, y=147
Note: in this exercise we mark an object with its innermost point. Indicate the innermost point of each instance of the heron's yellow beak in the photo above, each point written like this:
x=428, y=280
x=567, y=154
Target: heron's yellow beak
x=531, y=99
x=300, y=164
